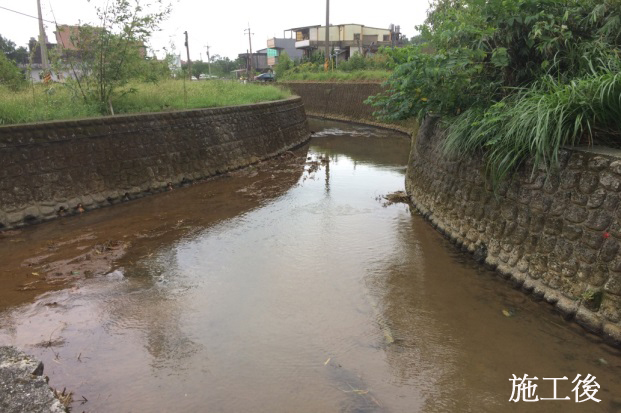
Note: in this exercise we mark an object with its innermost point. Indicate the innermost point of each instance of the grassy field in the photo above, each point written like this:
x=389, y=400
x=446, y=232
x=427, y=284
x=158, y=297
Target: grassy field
x=58, y=101
x=338, y=76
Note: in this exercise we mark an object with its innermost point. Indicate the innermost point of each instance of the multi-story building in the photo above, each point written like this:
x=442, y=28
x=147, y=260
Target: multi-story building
x=276, y=47
x=345, y=39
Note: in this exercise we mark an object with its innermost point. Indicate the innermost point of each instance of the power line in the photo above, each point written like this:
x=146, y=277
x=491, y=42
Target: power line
x=24, y=14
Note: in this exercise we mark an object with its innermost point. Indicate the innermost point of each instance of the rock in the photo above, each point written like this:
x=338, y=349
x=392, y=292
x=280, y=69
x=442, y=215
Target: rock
x=22, y=386
x=610, y=182
x=588, y=182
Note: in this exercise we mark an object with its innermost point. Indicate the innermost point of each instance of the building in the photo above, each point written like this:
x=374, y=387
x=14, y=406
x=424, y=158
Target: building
x=259, y=60
x=71, y=39
x=71, y=44
x=345, y=39
x=275, y=47
x=35, y=67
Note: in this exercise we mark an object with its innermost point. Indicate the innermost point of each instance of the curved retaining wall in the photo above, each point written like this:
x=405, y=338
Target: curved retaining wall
x=556, y=235
x=336, y=100
x=54, y=166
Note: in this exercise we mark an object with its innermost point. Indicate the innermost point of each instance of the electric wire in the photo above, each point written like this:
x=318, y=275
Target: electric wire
x=24, y=14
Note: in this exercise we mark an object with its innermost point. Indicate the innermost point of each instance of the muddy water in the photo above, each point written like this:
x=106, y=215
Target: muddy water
x=289, y=287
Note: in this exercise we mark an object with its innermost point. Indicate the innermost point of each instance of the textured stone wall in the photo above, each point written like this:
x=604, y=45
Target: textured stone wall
x=49, y=168
x=23, y=388
x=556, y=235
x=336, y=100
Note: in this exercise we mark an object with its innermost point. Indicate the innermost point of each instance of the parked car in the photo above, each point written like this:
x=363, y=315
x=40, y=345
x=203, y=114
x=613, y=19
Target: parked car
x=265, y=77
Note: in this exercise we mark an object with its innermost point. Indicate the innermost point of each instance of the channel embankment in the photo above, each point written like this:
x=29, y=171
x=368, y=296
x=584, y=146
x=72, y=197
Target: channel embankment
x=58, y=168
x=554, y=233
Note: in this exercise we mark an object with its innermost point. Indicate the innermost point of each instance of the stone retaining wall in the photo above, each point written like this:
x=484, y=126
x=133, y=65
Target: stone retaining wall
x=556, y=235
x=336, y=100
x=47, y=169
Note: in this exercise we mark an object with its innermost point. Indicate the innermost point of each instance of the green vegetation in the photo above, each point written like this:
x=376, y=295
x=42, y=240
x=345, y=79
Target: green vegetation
x=512, y=78
x=221, y=67
x=59, y=101
x=111, y=55
x=10, y=75
x=111, y=73
x=10, y=56
x=9, y=49
x=338, y=76
x=357, y=68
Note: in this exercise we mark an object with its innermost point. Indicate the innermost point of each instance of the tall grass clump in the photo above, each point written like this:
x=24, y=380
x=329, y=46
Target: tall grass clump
x=42, y=103
x=538, y=121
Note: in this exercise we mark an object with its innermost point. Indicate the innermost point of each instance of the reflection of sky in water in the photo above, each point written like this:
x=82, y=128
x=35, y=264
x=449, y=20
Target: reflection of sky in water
x=321, y=299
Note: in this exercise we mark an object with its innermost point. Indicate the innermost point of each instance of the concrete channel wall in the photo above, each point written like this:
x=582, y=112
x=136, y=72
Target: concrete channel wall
x=47, y=169
x=556, y=235
x=336, y=100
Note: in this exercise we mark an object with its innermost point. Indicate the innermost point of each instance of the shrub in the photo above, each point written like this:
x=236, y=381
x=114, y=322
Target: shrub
x=515, y=78
x=10, y=75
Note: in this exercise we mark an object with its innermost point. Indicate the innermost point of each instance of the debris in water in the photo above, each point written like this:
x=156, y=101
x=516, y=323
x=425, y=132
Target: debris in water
x=28, y=286
x=115, y=275
x=508, y=312
x=396, y=198
x=64, y=397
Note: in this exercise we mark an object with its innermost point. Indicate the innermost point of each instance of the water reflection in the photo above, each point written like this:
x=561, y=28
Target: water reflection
x=294, y=288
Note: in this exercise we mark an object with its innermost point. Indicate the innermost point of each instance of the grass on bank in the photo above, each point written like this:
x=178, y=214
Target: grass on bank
x=538, y=121
x=59, y=101
x=337, y=76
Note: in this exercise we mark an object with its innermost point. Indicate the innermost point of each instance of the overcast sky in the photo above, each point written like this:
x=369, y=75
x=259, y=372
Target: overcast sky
x=220, y=24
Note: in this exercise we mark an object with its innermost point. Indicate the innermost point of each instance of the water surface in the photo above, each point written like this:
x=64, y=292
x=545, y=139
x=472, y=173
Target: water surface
x=293, y=287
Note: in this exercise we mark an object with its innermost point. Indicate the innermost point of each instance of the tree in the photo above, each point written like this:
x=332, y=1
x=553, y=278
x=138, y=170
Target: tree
x=284, y=63
x=10, y=75
x=198, y=68
x=18, y=55
x=114, y=53
x=222, y=66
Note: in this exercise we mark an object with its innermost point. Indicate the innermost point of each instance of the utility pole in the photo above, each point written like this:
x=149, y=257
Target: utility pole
x=250, y=43
x=187, y=49
x=42, y=41
x=208, y=60
x=327, y=64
